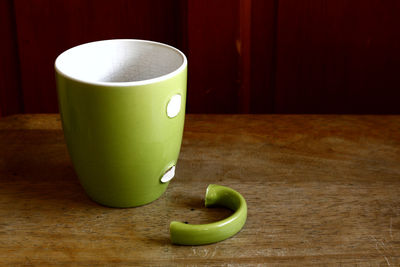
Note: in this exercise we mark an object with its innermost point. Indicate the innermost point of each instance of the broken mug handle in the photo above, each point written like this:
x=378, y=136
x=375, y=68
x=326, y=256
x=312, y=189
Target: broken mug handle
x=201, y=234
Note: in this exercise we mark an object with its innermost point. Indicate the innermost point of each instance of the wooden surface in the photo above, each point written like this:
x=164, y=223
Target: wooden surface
x=322, y=190
x=244, y=56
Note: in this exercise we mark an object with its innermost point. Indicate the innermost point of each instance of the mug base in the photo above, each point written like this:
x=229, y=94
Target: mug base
x=127, y=203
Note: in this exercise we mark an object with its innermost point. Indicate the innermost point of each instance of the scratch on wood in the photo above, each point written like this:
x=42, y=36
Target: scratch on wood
x=390, y=229
x=387, y=261
x=28, y=261
x=379, y=251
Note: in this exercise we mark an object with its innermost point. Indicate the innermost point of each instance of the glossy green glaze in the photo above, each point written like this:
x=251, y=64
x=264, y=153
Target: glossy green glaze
x=200, y=234
x=119, y=137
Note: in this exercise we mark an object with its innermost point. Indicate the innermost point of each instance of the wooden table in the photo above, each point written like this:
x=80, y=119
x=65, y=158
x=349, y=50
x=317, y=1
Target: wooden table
x=320, y=190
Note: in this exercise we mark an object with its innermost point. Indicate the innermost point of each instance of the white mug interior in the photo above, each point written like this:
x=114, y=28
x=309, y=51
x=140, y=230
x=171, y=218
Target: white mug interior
x=121, y=61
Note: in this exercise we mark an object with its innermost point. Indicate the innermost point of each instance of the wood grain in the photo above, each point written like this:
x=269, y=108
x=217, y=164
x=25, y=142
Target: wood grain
x=321, y=190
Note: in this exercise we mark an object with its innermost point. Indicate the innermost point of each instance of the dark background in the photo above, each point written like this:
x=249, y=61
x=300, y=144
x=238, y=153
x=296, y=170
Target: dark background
x=245, y=56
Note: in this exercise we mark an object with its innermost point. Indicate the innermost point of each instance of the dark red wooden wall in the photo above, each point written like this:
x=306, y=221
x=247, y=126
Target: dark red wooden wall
x=245, y=56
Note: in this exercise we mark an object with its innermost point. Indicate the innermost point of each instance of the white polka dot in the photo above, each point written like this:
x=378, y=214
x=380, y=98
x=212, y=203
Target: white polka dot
x=168, y=175
x=174, y=106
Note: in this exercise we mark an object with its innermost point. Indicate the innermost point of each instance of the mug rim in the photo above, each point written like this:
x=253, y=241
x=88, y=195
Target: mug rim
x=123, y=84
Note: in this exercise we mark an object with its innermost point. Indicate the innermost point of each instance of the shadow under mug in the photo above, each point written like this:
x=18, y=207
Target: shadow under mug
x=122, y=105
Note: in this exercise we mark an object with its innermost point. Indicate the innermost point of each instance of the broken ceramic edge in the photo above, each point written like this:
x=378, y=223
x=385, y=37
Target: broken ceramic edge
x=201, y=234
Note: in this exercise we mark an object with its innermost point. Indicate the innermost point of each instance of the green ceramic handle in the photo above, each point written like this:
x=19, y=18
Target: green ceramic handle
x=200, y=234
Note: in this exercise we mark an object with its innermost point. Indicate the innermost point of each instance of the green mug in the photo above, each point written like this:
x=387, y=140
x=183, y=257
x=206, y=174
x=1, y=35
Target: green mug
x=122, y=105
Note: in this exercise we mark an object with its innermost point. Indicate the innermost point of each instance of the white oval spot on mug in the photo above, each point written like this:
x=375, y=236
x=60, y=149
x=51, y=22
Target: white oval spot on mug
x=174, y=106
x=168, y=175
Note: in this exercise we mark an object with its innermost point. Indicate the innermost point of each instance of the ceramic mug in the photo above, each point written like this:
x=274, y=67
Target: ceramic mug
x=122, y=105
